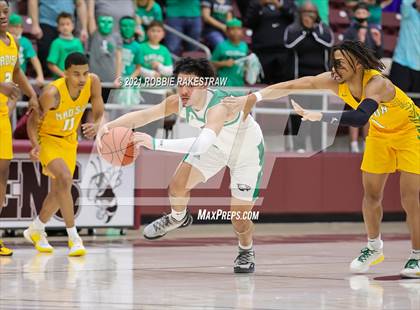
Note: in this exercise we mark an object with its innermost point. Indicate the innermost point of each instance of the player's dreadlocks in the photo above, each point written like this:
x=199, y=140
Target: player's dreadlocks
x=363, y=55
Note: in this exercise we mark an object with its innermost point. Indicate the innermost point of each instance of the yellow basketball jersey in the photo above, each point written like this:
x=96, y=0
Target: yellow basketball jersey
x=64, y=120
x=394, y=117
x=8, y=58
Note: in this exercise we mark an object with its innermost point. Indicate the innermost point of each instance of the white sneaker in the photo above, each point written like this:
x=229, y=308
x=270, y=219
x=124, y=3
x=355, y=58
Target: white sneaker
x=354, y=147
x=76, y=247
x=411, y=269
x=39, y=239
x=160, y=227
x=367, y=258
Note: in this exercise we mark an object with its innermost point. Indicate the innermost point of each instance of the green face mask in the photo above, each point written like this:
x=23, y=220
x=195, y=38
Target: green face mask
x=105, y=24
x=127, y=28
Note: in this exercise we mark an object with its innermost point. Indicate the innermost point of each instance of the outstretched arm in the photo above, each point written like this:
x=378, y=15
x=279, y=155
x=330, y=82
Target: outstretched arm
x=322, y=81
x=377, y=90
x=194, y=146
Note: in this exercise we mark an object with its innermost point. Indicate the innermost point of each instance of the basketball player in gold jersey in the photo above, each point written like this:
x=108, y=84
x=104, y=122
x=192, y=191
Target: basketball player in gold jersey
x=393, y=142
x=62, y=104
x=10, y=74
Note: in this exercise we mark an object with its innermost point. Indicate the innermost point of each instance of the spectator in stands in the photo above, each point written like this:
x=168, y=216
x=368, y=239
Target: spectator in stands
x=405, y=70
x=310, y=39
x=228, y=51
x=375, y=8
x=215, y=15
x=105, y=53
x=116, y=9
x=361, y=30
x=26, y=51
x=64, y=45
x=147, y=11
x=269, y=19
x=44, y=15
x=155, y=58
x=131, y=55
x=131, y=68
x=184, y=16
x=321, y=5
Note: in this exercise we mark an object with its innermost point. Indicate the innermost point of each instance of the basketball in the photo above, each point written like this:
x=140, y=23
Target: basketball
x=117, y=148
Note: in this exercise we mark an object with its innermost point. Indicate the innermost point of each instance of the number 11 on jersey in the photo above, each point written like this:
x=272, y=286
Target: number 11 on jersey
x=68, y=124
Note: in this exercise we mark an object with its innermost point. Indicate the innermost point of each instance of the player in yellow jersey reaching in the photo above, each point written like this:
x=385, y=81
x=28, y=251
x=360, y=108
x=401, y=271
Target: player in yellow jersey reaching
x=62, y=104
x=393, y=142
x=10, y=74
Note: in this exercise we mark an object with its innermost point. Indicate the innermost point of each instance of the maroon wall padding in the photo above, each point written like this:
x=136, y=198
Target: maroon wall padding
x=325, y=183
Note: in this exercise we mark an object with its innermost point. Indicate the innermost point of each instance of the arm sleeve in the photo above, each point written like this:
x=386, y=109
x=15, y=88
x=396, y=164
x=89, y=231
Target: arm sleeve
x=193, y=146
x=355, y=118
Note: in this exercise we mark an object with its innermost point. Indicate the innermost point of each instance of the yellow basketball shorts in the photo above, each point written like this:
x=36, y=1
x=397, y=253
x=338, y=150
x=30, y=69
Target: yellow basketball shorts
x=53, y=147
x=6, y=143
x=389, y=153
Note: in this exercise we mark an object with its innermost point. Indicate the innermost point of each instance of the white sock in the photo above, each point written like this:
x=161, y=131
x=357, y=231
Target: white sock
x=354, y=145
x=376, y=243
x=37, y=224
x=72, y=233
x=178, y=216
x=248, y=247
x=415, y=254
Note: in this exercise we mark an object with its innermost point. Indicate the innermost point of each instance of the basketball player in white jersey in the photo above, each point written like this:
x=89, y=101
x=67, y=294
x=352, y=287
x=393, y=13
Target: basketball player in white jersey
x=225, y=141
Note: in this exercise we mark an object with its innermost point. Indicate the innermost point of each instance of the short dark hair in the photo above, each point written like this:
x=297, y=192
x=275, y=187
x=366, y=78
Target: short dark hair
x=156, y=23
x=77, y=59
x=64, y=15
x=126, y=17
x=200, y=67
x=364, y=55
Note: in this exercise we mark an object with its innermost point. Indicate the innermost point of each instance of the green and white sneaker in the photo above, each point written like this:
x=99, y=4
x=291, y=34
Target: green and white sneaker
x=367, y=258
x=411, y=269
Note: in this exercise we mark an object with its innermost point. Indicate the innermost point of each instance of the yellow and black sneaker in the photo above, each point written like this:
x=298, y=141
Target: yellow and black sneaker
x=5, y=251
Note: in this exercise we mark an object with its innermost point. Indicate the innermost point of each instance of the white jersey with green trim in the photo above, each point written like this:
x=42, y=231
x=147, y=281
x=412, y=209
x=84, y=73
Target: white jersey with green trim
x=234, y=132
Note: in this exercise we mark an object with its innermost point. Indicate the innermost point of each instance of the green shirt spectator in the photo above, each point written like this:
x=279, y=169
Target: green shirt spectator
x=147, y=16
x=61, y=48
x=183, y=8
x=131, y=57
x=228, y=51
x=154, y=54
x=26, y=52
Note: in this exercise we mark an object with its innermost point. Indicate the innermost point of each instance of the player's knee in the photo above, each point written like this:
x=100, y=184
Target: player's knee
x=177, y=188
x=64, y=180
x=241, y=225
x=373, y=197
x=410, y=200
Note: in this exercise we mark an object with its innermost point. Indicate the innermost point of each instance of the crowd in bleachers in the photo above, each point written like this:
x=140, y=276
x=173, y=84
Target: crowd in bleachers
x=289, y=38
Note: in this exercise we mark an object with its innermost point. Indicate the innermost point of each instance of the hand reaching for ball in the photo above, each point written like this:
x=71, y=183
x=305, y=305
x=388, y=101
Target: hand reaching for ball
x=89, y=130
x=142, y=139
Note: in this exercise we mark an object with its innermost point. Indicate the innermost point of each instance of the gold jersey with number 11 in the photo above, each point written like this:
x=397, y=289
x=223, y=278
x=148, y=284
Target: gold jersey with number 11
x=64, y=120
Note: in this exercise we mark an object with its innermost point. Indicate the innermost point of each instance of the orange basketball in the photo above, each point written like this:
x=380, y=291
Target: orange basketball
x=117, y=148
